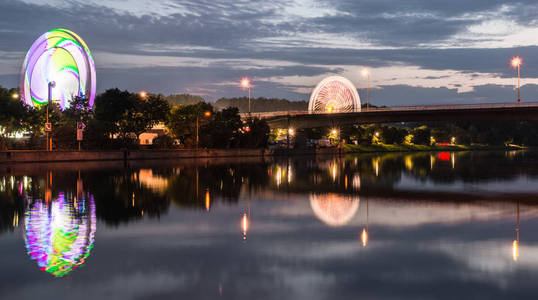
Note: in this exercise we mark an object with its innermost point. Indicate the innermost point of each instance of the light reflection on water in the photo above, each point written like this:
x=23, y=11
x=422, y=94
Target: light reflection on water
x=316, y=228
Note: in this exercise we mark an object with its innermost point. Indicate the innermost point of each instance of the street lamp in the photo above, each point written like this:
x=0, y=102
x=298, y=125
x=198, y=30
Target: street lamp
x=516, y=63
x=48, y=126
x=366, y=73
x=245, y=83
x=207, y=114
x=15, y=96
x=143, y=94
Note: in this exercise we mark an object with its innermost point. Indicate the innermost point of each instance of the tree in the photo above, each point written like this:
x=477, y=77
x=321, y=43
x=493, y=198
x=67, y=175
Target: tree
x=142, y=115
x=12, y=112
x=257, y=134
x=182, y=121
x=223, y=131
x=110, y=107
x=421, y=135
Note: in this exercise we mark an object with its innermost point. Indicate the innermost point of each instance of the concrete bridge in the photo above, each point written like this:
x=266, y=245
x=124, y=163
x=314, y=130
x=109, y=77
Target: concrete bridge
x=475, y=112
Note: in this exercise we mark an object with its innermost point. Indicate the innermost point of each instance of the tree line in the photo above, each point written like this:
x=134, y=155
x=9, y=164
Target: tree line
x=118, y=118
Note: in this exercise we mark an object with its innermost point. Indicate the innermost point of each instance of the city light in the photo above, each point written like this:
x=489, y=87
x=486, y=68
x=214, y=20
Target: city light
x=143, y=94
x=334, y=131
x=516, y=61
x=244, y=225
x=245, y=83
x=365, y=72
x=15, y=96
x=515, y=250
x=364, y=237
x=291, y=131
x=329, y=109
x=207, y=114
x=207, y=200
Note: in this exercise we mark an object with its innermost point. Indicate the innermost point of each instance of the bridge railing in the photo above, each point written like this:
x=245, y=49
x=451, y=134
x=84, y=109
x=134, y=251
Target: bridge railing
x=392, y=108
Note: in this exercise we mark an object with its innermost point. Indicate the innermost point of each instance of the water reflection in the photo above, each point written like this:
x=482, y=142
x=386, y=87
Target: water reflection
x=431, y=212
x=333, y=209
x=59, y=235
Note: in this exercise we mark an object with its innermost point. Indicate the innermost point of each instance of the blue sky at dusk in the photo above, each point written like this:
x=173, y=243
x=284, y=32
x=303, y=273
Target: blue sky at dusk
x=418, y=51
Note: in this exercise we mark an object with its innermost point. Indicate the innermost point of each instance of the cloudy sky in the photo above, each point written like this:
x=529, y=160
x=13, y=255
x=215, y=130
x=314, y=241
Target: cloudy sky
x=418, y=51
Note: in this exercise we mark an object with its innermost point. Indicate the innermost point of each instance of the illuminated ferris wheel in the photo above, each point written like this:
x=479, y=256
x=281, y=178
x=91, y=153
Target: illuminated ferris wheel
x=334, y=94
x=59, y=57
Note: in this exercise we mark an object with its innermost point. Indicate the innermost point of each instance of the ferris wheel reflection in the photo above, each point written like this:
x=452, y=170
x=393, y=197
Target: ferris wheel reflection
x=59, y=233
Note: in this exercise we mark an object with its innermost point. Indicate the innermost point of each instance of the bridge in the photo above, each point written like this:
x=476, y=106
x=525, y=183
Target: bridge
x=476, y=112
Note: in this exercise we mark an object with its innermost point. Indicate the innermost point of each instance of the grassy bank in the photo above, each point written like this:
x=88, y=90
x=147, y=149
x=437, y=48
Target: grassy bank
x=412, y=147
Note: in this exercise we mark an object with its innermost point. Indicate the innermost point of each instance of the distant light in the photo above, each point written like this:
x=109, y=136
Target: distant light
x=143, y=94
x=365, y=72
x=207, y=113
x=15, y=96
x=244, y=225
x=515, y=250
x=207, y=200
x=291, y=131
x=334, y=131
x=245, y=83
x=364, y=237
x=377, y=133
x=516, y=61
x=329, y=109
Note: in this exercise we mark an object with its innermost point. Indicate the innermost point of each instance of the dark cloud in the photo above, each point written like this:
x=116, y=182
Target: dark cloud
x=203, y=30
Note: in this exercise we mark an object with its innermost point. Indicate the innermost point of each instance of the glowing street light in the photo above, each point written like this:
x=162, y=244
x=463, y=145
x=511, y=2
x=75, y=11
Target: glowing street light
x=366, y=73
x=143, y=94
x=245, y=84
x=51, y=85
x=364, y=237
x=15, y=96
x=516, y=63
x=291, y=131
x=244, y=225
x=207, y=114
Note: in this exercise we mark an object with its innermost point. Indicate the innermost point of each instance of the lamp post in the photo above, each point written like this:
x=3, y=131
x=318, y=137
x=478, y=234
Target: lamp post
x=51, y=85
x=366, y=73
x=516, y=63
x=207, y=114
x=245, y=83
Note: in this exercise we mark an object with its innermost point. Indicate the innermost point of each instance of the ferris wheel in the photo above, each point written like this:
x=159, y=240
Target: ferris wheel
x=59, y=57
x=334, y=94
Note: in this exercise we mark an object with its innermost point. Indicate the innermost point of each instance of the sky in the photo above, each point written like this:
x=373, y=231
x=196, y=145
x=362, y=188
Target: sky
x=417, y=51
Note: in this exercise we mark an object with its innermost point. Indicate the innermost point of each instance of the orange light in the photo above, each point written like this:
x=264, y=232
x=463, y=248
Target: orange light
x=143, y=94
x=291, y=131
x=329, y=109
x=364, y=237
x=207, y=114
x=515, y=250
x=245, y=82
x=516, y=61
x=207, y=200
x=244, y=225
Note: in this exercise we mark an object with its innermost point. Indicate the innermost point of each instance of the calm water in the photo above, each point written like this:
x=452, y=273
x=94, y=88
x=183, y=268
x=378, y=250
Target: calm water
x=425, y=225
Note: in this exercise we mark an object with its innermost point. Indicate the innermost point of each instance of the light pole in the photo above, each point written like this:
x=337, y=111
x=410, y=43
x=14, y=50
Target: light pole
x=207, y=114
x=366, y=73
x=52, y=84
x=245, y=83
x=516, y=63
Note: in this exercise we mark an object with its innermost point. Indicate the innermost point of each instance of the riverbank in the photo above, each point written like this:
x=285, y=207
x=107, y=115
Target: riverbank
x=111, y=155
x=412, y=148
x=19, y=156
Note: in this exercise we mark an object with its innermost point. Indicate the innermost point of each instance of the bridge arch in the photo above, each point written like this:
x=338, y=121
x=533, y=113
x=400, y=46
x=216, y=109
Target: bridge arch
x=334, y=94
